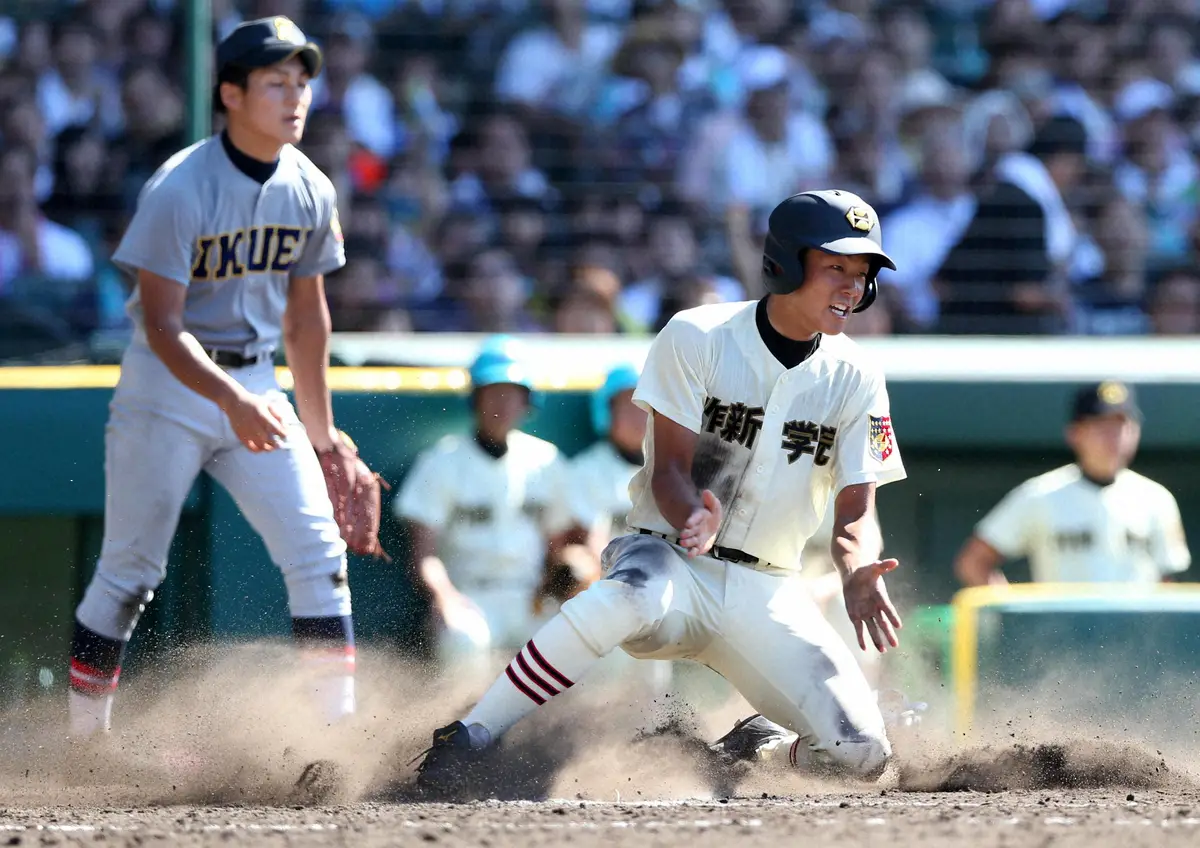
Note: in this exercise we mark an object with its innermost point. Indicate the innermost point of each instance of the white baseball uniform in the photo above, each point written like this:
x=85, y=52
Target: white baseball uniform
x=493, y=518
x=1074, y=530
x=775, y=444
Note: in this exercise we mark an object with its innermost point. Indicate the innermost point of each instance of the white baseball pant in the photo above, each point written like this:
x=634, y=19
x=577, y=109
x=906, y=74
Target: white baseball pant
x=473, y=647
x=759, y=629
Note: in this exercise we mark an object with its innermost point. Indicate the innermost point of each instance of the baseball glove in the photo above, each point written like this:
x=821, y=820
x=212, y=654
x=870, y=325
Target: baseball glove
x=356, y=497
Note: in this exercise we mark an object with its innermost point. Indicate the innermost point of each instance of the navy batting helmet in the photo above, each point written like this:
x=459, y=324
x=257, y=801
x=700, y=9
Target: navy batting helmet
x=619, y=379
x=834, y=221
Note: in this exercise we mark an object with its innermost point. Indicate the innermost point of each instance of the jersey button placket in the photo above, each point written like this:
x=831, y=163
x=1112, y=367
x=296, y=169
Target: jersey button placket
x=755, y=487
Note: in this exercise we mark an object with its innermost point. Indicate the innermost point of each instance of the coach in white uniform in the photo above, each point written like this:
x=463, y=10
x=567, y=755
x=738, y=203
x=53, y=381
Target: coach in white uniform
x=1093, y=521
x=760, y=413
x=483, y=511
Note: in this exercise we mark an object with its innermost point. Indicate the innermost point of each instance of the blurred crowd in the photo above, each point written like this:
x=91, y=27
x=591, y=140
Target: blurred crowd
x=593, y=166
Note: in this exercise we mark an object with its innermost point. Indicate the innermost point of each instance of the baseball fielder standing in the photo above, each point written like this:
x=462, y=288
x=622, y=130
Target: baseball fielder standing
x=1092, y=521
x=228, y=246
x=760, y=412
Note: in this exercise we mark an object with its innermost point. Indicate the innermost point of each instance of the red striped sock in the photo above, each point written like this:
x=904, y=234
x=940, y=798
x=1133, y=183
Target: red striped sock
x=88, y=680
x=548, y=665
x=534, y=676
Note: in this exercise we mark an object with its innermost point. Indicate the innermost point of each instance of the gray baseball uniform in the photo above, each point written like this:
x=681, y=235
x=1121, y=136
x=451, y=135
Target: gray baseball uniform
x=235, y=243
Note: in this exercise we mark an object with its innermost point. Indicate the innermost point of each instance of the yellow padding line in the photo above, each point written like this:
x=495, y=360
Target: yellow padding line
x=381, y=380
x=968, y=602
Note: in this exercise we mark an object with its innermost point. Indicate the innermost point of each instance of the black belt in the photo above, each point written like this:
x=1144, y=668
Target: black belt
x=233, y=359
x=727, y=554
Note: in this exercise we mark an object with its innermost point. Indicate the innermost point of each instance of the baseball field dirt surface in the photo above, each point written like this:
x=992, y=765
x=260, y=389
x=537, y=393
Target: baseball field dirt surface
x=223, y=753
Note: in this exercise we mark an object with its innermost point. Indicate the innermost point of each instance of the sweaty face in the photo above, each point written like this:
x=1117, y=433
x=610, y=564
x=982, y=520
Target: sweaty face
x=833, y=286
x=1105, y=444
x=275, y=102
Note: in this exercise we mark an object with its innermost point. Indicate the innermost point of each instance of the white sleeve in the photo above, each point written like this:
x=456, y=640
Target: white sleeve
x=1007, y=528
x=867, y=451
x=423, y=496
x=1169, y=542
x=672, y=381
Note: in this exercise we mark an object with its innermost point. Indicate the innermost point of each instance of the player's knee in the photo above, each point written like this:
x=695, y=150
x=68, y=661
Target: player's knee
x=863, y=755
x=610, y=612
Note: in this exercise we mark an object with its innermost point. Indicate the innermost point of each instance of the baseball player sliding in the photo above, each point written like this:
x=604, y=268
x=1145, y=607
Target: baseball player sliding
x=228, y=247
x=760, y=412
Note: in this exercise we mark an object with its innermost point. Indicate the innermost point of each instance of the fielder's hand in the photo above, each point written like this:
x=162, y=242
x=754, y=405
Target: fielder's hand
x=258, y=424
x=700, y=532
x=869, y=607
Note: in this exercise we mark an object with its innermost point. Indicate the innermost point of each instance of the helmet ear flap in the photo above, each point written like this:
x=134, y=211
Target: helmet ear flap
x=869, y=294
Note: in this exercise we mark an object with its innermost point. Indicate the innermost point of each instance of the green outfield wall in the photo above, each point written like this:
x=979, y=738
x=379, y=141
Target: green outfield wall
x=965, y=444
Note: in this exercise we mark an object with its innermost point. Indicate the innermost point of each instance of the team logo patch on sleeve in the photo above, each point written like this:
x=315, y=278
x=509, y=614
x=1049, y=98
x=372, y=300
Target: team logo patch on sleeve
x=880, y=436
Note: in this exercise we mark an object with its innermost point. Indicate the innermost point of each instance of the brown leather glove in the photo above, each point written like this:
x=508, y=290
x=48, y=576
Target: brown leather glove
x=356, y=494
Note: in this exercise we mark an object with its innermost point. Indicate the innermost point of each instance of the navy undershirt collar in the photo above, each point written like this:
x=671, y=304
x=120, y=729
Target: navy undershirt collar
x=1097, y=481
x=789, y=352
x=255, y=169
x=496, y=450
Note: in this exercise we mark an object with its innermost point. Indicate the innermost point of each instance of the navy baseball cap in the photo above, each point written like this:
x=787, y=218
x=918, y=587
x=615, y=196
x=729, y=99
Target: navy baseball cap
x=267, y=41
x=1111, y=397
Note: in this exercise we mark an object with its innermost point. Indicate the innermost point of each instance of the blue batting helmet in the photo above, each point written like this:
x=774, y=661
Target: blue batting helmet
x=619, y=379
x=502, y=359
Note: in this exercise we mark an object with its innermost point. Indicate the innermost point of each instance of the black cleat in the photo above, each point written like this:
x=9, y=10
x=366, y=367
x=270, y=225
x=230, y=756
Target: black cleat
x=750, y=739
x=450, y=767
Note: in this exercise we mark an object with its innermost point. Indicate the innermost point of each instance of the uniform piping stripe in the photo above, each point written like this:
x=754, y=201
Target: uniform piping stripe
x=549, y=669
x=520, y=684
x=91, y=671
x=532, y=675
x=91, y=685
x=91, y=681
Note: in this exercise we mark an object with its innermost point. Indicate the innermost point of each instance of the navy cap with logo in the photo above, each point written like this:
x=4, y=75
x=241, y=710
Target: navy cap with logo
x=264, y=42
x=1111, y=397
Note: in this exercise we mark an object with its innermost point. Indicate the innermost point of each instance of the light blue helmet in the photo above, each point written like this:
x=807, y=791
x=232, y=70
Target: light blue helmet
x=619, y=379
x=502, y=359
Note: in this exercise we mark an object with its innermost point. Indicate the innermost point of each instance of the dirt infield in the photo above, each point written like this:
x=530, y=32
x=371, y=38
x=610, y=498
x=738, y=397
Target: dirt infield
x=1062, y=818
x=216, y=757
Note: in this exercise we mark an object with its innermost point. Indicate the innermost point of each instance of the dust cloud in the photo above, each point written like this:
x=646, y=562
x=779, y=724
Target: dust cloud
x=234, y=725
